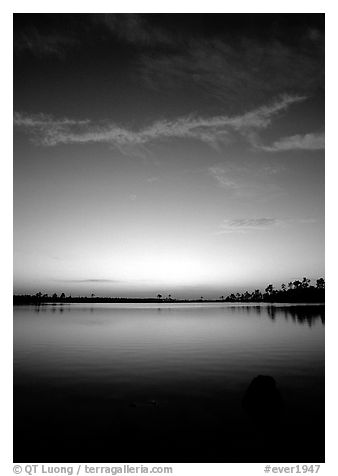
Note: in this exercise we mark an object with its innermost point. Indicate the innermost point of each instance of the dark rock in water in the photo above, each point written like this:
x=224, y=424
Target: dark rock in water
x=153, y=403
x=149, y=403
x=262, y=400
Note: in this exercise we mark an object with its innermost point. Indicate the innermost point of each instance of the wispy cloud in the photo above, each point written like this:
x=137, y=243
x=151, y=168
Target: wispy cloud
x=244, y=225
x=245, y=181
x=49, y=131
x=153, y=179
x=224, y=177
x=45, y=121
x=312, y=141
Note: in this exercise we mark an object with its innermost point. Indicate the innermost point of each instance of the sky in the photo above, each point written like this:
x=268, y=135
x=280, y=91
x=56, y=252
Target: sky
x=178, y=154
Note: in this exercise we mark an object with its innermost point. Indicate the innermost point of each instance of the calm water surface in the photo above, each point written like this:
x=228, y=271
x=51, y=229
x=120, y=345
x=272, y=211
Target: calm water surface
x=139, y=382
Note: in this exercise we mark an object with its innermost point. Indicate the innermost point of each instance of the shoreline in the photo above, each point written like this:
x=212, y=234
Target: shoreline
x=21, y=300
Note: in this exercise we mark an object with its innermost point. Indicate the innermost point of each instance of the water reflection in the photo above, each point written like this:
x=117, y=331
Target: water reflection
x=93, y=370
x=302, y=314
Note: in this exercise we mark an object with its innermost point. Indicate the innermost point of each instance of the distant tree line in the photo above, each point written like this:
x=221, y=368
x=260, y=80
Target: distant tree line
x=40, y=298
x=295, y=291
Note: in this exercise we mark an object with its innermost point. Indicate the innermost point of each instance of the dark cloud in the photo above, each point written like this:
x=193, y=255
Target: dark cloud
x=135, y=29
x=91, y=280
x=242, y=72
x=42, y=44
x=235, y=60
x=58, y=34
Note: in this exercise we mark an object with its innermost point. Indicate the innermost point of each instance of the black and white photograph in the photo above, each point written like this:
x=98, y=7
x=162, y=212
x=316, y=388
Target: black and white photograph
x=169, y=238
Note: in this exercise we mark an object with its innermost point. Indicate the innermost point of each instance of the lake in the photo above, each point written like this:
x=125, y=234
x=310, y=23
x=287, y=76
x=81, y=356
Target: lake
x=166, y=382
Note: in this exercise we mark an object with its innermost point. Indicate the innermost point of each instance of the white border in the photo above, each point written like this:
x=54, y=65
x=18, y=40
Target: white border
x=174, y=6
